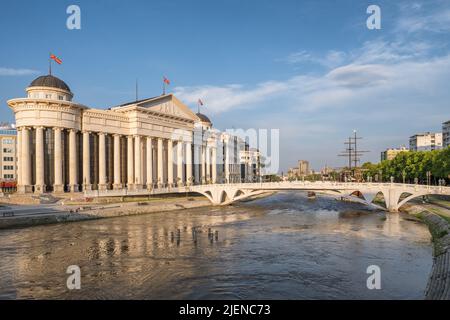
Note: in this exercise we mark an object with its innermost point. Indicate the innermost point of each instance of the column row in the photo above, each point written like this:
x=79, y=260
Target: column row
x=146, y=166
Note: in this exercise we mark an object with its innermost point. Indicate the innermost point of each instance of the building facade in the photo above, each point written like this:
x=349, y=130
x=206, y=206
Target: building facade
x=64, y=146
x=446, y=134
x=303, y=168
x=391, y=153
x=425, y=141
x=250, y=164
x=8, y=156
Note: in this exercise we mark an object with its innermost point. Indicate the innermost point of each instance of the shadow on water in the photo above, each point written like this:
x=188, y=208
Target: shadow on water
x=284, y=246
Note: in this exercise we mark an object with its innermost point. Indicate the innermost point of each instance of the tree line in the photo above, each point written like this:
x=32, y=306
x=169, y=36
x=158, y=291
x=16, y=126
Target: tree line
x=410, y=167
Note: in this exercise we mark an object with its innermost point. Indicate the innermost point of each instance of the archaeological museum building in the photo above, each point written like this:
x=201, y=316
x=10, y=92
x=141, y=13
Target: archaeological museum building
x=159, y=142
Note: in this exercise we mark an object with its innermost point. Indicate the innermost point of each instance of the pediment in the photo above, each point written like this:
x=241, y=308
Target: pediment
x=169, y=105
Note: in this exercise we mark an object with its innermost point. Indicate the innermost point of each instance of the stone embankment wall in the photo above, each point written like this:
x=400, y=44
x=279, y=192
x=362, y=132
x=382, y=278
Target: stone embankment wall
x=438, y=287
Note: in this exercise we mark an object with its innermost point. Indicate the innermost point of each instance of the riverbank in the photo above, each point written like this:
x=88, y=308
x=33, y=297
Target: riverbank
x=438, y=287
x=73, y=211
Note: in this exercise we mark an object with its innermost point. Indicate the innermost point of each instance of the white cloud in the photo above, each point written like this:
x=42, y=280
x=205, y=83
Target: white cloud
x=331, y=59
x=16, y=72
x=376, y=69
x=433, y=16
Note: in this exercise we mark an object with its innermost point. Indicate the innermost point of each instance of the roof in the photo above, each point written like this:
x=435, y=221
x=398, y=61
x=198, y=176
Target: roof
x=203, y=118
x=51, y=82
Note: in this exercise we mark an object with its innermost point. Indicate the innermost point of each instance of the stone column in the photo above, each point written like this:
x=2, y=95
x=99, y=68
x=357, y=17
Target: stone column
x=180, y=180
x=117, y=163
x=26, y=161
x=73, y=163
x=189, y=177
x=130, y=162
x=227, y=163
x=39, y=186
x=214, y=164
x=196, y=164
x=102, y=162
x=58, y=186
x=208, y=164
x=203, y=165
x=137, y=163
x=149, y=164
x=170, y=163
x=19, y=157
x=160, y=163
x=86, y=162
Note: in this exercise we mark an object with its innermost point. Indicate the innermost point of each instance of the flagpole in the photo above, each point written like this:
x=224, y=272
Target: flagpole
x=136, y=90
x=50, y=64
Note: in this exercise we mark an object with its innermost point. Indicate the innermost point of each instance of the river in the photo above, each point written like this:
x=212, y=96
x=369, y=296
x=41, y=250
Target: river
x=280, y=247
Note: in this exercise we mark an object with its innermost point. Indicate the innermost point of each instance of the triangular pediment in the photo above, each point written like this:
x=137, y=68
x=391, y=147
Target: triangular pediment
x=168, y=105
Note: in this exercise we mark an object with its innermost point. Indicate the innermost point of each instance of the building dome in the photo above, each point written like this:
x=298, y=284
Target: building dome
x=203, y=118
x=50, y=82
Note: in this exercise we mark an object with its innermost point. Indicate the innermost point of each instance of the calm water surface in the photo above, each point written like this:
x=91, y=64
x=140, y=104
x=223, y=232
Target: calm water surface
x=281, y=247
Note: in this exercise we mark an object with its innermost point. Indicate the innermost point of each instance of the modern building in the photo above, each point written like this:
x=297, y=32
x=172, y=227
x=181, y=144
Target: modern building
x=303, y=168
x=425, y=141
x=301, y=171
x=64, y=146
x=391, y=153
x=8, y=157
x=446, y=134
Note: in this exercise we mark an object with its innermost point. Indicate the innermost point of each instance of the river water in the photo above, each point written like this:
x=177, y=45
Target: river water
x=281, y=247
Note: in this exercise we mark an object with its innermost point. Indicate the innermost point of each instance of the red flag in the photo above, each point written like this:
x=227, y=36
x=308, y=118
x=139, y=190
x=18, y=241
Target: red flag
x=200, y=102
x=55, y=58
x=166, y=81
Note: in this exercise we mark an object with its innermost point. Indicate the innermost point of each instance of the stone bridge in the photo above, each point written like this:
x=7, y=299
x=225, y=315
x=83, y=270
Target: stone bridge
x=395, y=194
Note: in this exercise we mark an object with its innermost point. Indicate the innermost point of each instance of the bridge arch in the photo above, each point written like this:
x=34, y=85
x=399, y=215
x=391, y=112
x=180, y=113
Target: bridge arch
x=409, y=198
x=238, y=193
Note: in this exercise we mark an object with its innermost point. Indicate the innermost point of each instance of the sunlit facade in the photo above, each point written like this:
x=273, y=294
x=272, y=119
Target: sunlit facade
x=64, y=146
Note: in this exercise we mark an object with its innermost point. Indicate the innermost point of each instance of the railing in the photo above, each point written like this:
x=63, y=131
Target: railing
x=285, y=185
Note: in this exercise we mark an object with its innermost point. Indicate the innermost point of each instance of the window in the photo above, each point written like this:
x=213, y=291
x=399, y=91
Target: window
x=8, y=176
x=8, y=141
x=48, y=96
x=7, y=150
x=60, y=97
x=8, y=158
x=8, y=167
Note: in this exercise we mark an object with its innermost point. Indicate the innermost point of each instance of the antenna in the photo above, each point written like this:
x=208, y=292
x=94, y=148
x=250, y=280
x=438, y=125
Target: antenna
x=351, y=151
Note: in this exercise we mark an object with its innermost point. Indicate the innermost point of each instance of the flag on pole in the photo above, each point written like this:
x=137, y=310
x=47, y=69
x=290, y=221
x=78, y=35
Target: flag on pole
x=55, y=58
x=166, y=81
x=200, y=102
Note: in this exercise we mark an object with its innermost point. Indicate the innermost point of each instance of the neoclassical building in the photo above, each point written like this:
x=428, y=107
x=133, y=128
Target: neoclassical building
x=64, y=146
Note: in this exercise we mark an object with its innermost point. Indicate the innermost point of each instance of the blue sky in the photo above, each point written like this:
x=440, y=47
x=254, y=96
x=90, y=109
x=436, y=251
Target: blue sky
x=309, y=68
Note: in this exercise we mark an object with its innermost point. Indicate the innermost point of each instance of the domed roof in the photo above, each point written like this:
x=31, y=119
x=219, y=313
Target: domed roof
x=49, y=81
x=203, y=118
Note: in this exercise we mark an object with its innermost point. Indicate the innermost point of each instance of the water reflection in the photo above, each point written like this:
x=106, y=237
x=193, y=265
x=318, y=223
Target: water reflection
x=284, y=246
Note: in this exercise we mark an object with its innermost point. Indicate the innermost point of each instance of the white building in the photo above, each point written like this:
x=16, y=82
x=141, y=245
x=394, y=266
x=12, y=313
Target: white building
x=250, y=164
x=425, y=142
x=446, y=134
x=64, y=146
